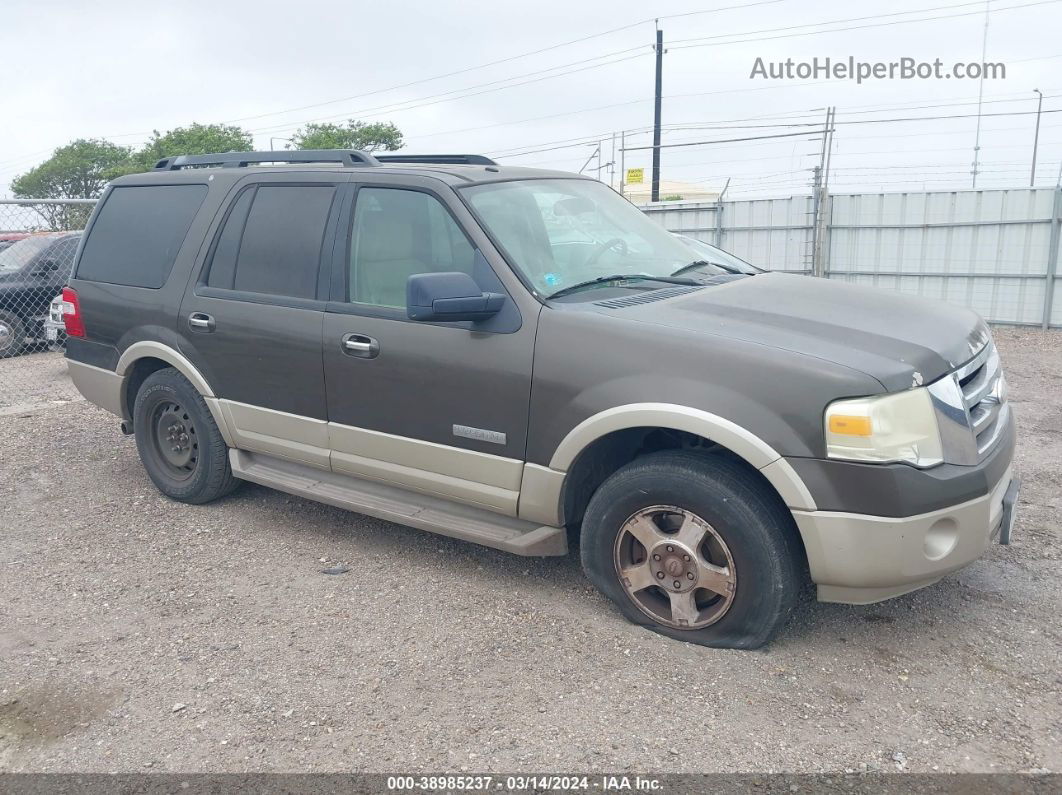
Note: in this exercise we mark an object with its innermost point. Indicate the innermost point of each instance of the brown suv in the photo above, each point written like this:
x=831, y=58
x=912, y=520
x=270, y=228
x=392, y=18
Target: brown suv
x=511, y=356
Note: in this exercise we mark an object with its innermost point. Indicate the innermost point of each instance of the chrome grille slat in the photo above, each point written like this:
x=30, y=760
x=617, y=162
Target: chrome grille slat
x=971, y=407
x=988, y=438
x=983, y=415
x=976, y=390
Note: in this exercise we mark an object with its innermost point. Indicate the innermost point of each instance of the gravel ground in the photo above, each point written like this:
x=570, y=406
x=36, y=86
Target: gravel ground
x=140, y=634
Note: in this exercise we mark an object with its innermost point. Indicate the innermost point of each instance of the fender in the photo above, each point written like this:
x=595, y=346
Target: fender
x=157, y=350
x=540, y=496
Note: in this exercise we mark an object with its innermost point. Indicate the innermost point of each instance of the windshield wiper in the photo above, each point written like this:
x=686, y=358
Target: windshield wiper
x=700, y=263
x=625, y=277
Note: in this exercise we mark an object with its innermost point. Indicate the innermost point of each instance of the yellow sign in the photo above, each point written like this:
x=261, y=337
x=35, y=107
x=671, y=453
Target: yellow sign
x=635, y=176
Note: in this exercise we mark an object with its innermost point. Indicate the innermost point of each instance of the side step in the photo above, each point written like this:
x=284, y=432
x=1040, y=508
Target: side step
x=402, y=506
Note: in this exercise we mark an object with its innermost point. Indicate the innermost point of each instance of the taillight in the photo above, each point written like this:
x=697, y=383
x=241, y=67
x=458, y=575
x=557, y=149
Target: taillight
x=75, y=324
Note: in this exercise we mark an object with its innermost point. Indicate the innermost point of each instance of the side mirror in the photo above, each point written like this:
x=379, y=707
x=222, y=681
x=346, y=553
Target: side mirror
x=436, y=297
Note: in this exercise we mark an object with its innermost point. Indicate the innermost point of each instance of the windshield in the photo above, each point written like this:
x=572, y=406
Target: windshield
x=561, y=232
x=710, y=253
x=16, y=256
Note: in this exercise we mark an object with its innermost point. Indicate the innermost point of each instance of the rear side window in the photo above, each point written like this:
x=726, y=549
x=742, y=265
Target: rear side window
x=271, y=241
x=137, y=234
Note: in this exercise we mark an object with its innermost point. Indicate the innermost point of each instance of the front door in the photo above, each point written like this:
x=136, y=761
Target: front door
x=441, y=408
x=252, y=323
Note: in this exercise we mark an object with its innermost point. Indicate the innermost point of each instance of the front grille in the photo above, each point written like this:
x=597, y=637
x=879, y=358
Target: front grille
x=984, y=395
x=972, y=409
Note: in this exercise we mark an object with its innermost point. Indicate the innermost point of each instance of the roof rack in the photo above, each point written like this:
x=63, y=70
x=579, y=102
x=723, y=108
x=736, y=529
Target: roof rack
x=345, y=157
x=449, y=160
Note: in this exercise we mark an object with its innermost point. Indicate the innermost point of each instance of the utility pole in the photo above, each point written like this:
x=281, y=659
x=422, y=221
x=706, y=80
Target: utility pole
x=980, y=96
x=655, y=194
x=612, y=164
x=1036, y=137
x=623, y=161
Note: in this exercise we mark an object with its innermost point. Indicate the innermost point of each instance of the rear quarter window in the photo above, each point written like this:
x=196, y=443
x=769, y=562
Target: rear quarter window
x=137, y=234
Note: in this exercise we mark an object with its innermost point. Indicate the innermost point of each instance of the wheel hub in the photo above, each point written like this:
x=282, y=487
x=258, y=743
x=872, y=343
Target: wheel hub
x=175, y=437
x=673, y=566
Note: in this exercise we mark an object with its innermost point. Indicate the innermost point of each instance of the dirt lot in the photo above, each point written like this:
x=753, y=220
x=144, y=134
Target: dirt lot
x=140, y=634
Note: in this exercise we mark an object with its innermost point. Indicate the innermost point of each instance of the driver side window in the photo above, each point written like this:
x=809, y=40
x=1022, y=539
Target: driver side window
x=398, y=233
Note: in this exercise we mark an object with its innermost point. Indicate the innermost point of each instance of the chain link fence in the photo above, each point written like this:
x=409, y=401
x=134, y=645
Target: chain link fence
x=38, y=241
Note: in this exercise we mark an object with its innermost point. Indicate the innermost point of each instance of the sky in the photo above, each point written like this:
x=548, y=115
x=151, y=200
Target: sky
x=542, y=83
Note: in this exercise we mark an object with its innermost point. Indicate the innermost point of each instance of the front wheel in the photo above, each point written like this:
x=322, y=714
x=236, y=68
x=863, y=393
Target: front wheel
x=695, y=547
x=179, y=443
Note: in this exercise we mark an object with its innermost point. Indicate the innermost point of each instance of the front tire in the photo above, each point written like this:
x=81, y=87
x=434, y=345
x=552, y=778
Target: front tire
x=695, y=547
x=178, y=441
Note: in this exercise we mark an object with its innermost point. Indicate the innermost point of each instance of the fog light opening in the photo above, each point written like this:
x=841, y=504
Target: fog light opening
x=941, y=539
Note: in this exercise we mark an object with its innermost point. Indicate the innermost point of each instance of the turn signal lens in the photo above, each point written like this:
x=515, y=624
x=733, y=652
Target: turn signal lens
x=848, y=425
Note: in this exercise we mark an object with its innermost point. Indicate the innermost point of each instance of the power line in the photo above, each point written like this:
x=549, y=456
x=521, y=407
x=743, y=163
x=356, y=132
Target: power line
x=709, y=41
x=507, y=59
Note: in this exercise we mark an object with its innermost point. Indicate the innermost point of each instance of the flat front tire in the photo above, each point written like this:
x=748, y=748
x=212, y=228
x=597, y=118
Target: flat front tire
x=178, y=441
x=696, y=547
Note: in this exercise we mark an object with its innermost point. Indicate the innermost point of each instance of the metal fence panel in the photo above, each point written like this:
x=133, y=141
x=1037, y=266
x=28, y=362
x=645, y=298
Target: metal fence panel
x=988, y=250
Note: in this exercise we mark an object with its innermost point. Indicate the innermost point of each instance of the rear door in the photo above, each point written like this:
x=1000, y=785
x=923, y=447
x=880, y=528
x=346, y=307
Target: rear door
x=253, y=319
x=441, y=408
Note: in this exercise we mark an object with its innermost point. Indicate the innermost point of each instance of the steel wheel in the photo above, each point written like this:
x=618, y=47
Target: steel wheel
x=675, y=567
x=174, y=438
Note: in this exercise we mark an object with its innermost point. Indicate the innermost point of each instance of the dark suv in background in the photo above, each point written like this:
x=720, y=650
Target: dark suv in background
x=33, y=271
x=512, y=356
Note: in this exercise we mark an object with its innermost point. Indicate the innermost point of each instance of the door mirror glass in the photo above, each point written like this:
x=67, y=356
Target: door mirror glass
x=453, y=296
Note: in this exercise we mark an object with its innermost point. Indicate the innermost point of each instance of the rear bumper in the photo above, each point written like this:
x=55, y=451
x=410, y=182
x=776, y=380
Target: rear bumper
x=859, y=558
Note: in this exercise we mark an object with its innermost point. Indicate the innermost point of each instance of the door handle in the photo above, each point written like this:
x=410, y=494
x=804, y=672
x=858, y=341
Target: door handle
x=360, y=345
x=200, y=321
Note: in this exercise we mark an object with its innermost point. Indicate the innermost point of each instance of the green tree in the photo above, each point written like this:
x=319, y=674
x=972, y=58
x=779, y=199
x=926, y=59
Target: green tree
x=352, y=135
x=195, y=139
x=79, y=170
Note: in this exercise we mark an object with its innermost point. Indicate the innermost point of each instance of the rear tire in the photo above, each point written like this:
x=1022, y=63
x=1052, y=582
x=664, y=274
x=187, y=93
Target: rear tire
x=695, y=547
x=179, y=443
x=12, y=335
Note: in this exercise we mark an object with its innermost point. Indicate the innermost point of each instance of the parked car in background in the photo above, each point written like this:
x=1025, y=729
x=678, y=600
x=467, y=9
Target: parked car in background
x=32, y=271
x=9, y=239
x=54, y=327
x=716, y=256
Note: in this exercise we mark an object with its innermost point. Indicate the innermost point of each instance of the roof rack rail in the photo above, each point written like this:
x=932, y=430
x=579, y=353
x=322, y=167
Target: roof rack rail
x=449, y=160
x=346, y=157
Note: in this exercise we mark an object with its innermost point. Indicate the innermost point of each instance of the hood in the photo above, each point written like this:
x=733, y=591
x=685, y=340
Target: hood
x=901, y=340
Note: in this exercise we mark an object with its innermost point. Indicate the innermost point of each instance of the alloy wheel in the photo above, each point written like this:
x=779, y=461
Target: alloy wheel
x=675, y=567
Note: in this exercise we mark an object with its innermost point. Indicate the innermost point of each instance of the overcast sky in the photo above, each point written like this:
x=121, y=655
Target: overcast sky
x=118, y=70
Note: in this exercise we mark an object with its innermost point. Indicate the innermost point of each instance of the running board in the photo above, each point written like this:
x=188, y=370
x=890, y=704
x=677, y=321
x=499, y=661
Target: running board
x=402, y=506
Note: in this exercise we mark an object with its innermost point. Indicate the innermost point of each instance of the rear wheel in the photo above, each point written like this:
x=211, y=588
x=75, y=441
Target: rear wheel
x=179, y=443
x=695, y=547
x=12, y=334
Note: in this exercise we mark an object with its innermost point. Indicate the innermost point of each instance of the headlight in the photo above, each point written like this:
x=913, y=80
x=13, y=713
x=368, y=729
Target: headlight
x=901, y=427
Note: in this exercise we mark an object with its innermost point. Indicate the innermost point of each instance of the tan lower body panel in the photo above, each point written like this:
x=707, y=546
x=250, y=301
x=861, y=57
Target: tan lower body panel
x=395, y=504
x=289, y=436
x=479, y=479
x=858, y=559
x=100, y=387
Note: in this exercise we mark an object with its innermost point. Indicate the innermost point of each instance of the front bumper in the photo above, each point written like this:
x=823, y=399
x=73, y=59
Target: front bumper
x=859, y=558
